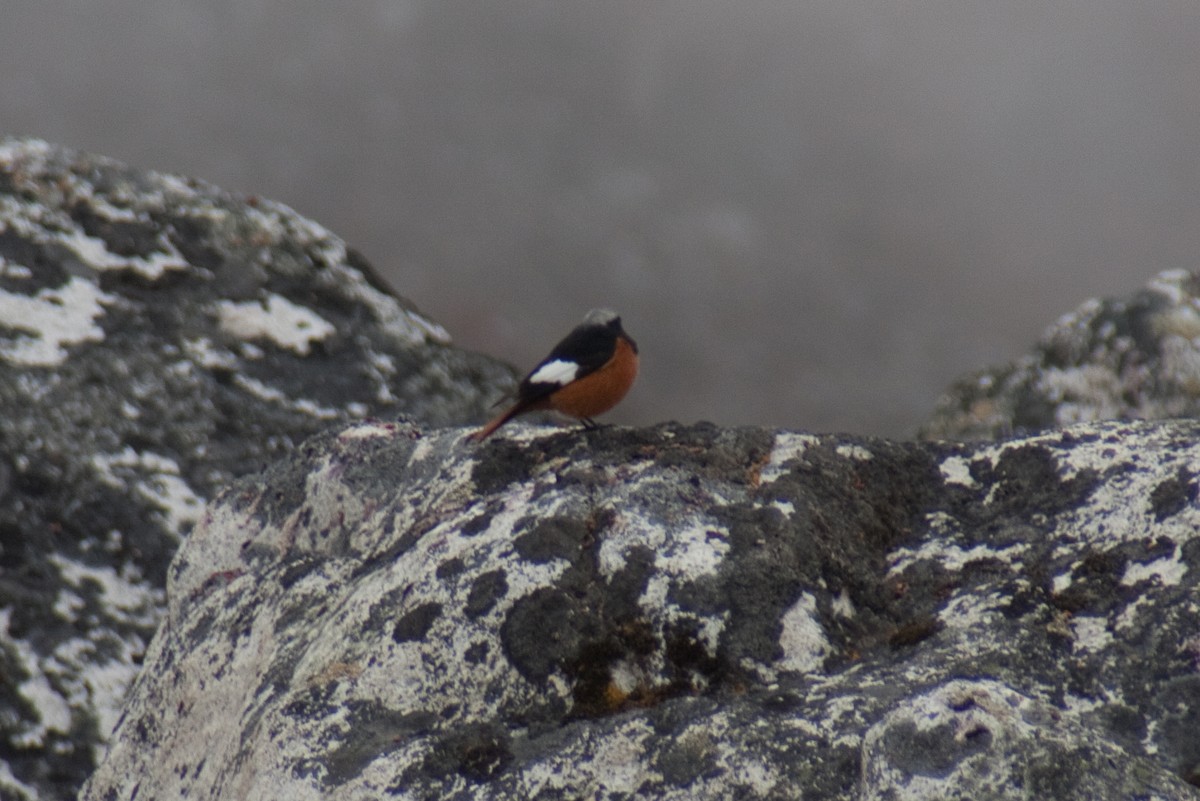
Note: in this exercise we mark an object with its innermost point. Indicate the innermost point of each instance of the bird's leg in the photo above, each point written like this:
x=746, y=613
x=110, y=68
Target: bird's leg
x=589, y=423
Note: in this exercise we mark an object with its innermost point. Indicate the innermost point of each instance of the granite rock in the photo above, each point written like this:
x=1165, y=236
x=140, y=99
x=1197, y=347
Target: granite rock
x=682, y=613
x=1134, y=358
x=158, y=338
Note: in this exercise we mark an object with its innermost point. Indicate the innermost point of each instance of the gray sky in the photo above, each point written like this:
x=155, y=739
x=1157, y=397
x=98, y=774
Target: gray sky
x=810, y=215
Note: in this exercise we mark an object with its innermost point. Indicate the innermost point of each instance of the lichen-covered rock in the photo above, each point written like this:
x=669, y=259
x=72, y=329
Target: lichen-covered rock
x=683, y=613
x=1135, y=358
x=158, y=338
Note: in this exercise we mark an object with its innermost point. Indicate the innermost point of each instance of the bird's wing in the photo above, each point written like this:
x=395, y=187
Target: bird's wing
x=583, y=351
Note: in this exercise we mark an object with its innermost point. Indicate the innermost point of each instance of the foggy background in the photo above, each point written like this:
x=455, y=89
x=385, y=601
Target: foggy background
x=810, y=214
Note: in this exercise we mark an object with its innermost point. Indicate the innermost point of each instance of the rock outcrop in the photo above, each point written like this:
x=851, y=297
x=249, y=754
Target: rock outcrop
x=158, y=338
x=668, y=612
x=683, y=613
x=1135, y=358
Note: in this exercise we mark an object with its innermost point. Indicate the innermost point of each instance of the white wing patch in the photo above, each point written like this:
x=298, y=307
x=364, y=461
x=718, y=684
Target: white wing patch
x=558, y=372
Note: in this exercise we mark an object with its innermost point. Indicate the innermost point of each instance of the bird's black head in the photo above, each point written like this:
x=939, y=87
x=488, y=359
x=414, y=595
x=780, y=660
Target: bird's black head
x=607, y=318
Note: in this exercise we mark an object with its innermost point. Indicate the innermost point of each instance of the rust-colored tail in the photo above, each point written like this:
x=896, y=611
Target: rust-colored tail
x=499, y=420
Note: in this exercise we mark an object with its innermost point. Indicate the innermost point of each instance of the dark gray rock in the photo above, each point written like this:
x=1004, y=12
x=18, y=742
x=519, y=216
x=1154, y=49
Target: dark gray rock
x=683, y=613
x=158, y=338
x=1135, y=358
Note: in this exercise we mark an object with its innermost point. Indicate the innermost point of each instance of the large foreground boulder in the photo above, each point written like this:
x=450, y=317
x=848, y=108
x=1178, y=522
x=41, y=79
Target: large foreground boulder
x=159, y=337
x=685, y=613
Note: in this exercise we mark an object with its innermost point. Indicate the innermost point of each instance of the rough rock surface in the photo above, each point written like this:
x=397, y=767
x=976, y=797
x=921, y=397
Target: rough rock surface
x=158, y=338
x=683, y=613
x=1135, y=358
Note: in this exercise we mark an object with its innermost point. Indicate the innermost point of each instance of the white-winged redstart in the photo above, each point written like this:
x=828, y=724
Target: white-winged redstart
x=585, y=375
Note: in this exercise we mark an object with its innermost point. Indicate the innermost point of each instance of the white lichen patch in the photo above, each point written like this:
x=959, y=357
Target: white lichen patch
x=1115, y=452
x=260, y=390
x=612, y=766
x=942, y=526
x=67, y=604
x=48, y=224
x=103, y=208
x=1109, y=516
x=284, y=223
x=787, y=508
x=209, y=356
x=402, y=324
x=319, y=412
x=277, y=320
x=43, y=325
x=1073, y=452
x=952, y=557
x=14, y=271
x=1150, y=741
x=272, y=395
x=124, y=593
x=406, y=326
x=788, y=447
x=250, y=351
x=694, y=549
x=104, y=682
x=94, y=253
x=31, y=154
x=1091, y=633
x=381, y=367
x=856, y=452
x=1127, y=620
x=75, y=675
x=1082, y=394
x=762, y=778
x=701, y=543
x=841, y=709
x=971, y=612
x=54, y=713
x=1180, y=359
x=842, y=606
x=957, y=470
x=156, y=479
x=372, y=431
x=686, y=550
x=13, y=788
x=1120, y=444
x=1080, y=705
x=1172, y=285
x=802, y=637
x=1169, y=570
x=1062, y=581
x=178, y=188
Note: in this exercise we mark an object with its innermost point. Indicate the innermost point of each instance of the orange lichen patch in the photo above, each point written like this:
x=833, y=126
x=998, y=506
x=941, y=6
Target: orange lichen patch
x=337, y=671
x=614, y=696
x=754, y=473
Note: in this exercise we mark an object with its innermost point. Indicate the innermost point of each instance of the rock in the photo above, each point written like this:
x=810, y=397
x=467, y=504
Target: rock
x=682, y=613
x=1135, y=358
x=158, y=338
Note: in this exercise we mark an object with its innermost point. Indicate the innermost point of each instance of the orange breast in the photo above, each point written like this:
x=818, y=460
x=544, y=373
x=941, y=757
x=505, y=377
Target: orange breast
x=598, y=392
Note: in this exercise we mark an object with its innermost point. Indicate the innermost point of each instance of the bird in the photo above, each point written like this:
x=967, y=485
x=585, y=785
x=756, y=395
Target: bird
x=586, y=374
